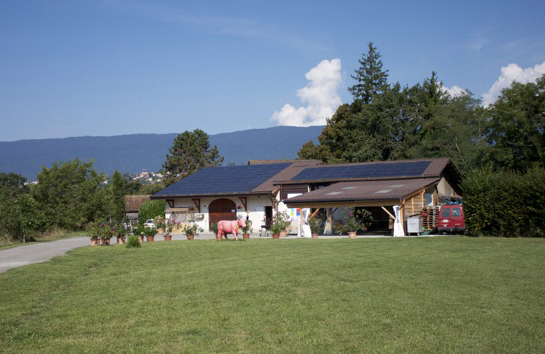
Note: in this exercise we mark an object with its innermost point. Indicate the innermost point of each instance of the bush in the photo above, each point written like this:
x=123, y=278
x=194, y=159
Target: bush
x=133, y=242
x=507, y=204
x=151, y=209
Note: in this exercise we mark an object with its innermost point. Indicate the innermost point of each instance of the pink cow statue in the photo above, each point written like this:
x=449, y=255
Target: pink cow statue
x=229, y=227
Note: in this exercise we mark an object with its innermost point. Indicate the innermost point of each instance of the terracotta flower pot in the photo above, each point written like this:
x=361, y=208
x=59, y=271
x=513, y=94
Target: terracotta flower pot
x=160, y=231
x=352, y=234
x=246, y=235
x=94, y=241
x=314, y=235
x=190, y=237
x=105, y=241
x=168, y=237
x=150, y=238
x=120, y=240
x=141, y=239
x=275, y=235
x=283, y=233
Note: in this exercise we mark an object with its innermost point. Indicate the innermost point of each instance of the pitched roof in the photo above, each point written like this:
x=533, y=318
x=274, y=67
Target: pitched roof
x=374, y=171
x=134, y=202
x=377, y=190
x=263, y=162
x=289, y=172
x=225, y=180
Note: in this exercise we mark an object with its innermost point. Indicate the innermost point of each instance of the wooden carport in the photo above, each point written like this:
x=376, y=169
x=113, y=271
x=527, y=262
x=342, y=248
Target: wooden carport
x=409, y=195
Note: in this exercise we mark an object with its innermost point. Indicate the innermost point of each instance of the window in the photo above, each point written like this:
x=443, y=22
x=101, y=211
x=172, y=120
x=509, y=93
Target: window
x=445, y=213
x=456, y=212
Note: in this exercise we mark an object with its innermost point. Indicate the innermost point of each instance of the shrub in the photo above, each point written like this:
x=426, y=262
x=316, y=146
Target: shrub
x=133, y=242
x=151, y=209
x=502, y=203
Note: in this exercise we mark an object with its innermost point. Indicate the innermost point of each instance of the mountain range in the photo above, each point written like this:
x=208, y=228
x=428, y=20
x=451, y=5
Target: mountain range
x=147, y=152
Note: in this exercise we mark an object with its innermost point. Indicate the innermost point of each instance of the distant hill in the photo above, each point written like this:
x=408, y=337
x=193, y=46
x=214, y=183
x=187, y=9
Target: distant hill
x=134, y=153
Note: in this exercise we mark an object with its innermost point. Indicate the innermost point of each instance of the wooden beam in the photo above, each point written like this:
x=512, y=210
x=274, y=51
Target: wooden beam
x=197, y=203
x=244, y=202
x=272, y=198
x=170, y=203
x=386, y=210
x=315, y=212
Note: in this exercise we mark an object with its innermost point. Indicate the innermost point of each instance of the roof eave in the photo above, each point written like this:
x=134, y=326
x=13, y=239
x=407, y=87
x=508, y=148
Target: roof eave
x=338, y=180
x=230, y=194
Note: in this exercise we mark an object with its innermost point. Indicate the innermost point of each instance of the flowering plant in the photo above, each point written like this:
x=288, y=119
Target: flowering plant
x=353, y=219
x=170, y=225
x=283, y=219
x=191, y=228
x=105, y=231
x=159, y=222
x=276, y=227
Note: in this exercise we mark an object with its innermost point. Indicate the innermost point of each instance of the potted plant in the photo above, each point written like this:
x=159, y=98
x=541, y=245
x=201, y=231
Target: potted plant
x=315, y=226
x=191, y=229
x=140, y=231
x=247, y=230
x=159, y=222
x=121, y=233
x=285, y=221
x=150, y=233
x=353, y=220
x=214, y=228
x=169, y=226
x=276, y=228
x=105, y=233
x=94, y=232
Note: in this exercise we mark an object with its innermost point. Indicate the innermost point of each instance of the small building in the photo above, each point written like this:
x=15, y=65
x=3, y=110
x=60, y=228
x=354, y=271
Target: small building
x=133, y=204
x=392, y=190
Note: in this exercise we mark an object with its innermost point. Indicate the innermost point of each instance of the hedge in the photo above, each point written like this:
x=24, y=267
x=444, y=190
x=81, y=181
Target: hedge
x=503, y=203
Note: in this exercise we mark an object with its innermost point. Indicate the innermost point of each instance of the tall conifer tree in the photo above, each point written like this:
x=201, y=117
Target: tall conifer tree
x=370, y=78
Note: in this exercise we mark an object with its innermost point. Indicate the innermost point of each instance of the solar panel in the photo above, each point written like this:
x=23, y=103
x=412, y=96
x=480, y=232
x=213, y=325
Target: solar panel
x=378, y=170
x=224, y=180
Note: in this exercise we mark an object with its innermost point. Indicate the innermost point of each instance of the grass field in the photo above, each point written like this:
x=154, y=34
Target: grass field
x=414, y=295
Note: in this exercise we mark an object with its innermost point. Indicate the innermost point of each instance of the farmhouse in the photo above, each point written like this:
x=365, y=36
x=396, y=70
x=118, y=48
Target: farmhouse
x=230, y=192
x=392, y=190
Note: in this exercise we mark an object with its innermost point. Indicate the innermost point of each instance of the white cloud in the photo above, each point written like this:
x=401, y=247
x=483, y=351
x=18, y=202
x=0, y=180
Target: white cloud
x=320, y=96
x=510, y=74
x=454, y=91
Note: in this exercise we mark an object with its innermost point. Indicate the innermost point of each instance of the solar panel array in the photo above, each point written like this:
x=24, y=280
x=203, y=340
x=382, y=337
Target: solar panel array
x=223, y=180
x=378, y=170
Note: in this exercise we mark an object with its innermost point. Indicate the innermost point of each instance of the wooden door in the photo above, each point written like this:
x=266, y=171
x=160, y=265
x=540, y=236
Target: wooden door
x=222, y=209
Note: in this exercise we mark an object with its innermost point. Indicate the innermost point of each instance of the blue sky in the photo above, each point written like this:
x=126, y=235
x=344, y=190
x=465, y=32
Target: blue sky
x=114, y=67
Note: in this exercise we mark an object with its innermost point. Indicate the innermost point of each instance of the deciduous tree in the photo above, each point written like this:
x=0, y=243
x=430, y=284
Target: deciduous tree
x=70, y=194
x=189, y=153
x=516, y=127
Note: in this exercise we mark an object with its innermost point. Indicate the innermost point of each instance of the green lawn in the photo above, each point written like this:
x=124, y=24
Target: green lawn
x=415, y=295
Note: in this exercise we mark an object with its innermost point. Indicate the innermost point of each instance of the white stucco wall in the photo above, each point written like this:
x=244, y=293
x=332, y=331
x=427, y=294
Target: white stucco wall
x=256, y=209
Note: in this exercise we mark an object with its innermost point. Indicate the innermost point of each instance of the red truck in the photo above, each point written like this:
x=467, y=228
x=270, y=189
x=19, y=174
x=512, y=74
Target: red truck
x=451, y=218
